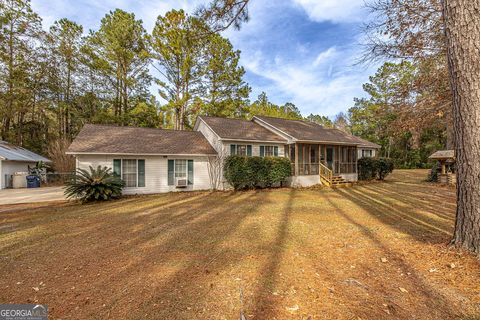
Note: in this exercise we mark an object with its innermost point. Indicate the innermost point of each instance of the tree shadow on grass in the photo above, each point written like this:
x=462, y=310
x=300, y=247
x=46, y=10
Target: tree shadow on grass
x=404, y=218
x=420, y=197
x=439, y=304
x=178, y=273
x=51, y=219
x=264, y=302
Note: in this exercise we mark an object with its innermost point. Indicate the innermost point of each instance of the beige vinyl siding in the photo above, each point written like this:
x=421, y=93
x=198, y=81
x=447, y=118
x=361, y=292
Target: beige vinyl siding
x=211, y=136
x=156, y=171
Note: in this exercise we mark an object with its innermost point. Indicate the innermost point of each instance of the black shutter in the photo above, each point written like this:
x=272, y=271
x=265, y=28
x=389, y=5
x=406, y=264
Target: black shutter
x=171, y=168
x=190, y=172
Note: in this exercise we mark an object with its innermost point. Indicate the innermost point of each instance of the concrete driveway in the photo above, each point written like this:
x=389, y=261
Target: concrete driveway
x=30, y=195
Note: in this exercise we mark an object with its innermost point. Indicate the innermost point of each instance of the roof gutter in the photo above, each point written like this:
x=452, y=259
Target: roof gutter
x=143, y=154
x=272, y=127
x=259, y=141
x=328, y=142
x=206, y=124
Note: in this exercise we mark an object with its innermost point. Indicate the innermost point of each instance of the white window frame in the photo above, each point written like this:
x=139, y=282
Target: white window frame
x=246, y=146
x=136, y=173
x=237, y=150
x=364, y=152
x=175, y=168
x=266, y=154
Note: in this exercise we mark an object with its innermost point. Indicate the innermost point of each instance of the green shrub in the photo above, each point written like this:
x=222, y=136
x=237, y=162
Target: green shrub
x=279, y=169
x=95, y=184
x=367, y=169
x=256, y=172
x=236, y=172
x=433, y=174
x=384, y=167
x=374, y=168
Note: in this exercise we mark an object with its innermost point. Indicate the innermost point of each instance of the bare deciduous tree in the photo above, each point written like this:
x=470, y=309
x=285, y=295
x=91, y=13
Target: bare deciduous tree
x=215, y=169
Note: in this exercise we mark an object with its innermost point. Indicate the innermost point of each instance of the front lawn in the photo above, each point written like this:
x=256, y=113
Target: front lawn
x=376, y=251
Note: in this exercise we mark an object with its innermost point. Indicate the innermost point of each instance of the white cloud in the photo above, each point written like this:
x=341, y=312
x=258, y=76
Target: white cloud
x=324, y=56
x=333, y=10
x=314, y=90
x=280, y=58
x=90, y=12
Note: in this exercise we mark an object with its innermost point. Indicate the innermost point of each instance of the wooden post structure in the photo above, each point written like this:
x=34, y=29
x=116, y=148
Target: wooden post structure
x=296, y=159
x=319, y=157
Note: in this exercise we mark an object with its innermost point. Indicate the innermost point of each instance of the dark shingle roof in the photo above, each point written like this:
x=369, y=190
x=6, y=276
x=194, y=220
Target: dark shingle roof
x=309, y=131
x=367, y=144
x=131, y=140
x=11, y=152
x=238, y=129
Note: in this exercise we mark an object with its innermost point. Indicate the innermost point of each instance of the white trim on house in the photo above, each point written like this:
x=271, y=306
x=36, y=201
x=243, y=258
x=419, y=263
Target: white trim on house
x=274, y=129
x=144, y=154
x=253, y=141
x=195, y=127
x=333, y=143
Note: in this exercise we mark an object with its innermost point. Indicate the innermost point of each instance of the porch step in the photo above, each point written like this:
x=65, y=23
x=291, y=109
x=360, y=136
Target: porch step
x=338, y=181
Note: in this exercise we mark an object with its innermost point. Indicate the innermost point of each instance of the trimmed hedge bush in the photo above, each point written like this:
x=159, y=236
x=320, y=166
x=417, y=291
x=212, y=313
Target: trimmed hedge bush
x=256, y=172
x=374, y=168
x=278, y=170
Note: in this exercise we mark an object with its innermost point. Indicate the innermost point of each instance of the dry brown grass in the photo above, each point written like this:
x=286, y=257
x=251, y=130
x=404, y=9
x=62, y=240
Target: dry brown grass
x=295, y=254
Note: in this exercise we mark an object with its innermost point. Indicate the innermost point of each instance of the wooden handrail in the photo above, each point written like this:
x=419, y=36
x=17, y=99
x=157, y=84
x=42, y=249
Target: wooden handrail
x=326, y=174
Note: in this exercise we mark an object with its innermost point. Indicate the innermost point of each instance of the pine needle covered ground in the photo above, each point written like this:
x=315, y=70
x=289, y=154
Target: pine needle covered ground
x=374, y=251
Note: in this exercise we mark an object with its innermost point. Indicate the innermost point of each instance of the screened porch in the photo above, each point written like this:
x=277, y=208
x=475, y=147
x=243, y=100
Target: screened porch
x=306, y=158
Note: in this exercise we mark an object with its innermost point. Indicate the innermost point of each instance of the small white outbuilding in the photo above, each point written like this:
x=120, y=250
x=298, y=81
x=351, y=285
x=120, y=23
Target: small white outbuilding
x=15, y=159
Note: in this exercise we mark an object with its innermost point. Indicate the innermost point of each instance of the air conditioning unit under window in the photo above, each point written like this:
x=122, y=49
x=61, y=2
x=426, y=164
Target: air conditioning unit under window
x=181, y=182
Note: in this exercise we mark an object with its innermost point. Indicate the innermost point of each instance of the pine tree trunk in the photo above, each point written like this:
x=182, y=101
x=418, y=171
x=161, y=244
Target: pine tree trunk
x=462, y=22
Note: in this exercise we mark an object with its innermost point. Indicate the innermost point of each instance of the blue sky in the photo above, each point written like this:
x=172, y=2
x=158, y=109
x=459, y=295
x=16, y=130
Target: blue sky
x=299, y=51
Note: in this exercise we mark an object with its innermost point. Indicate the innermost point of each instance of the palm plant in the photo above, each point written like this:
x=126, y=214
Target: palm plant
x=94, y=184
